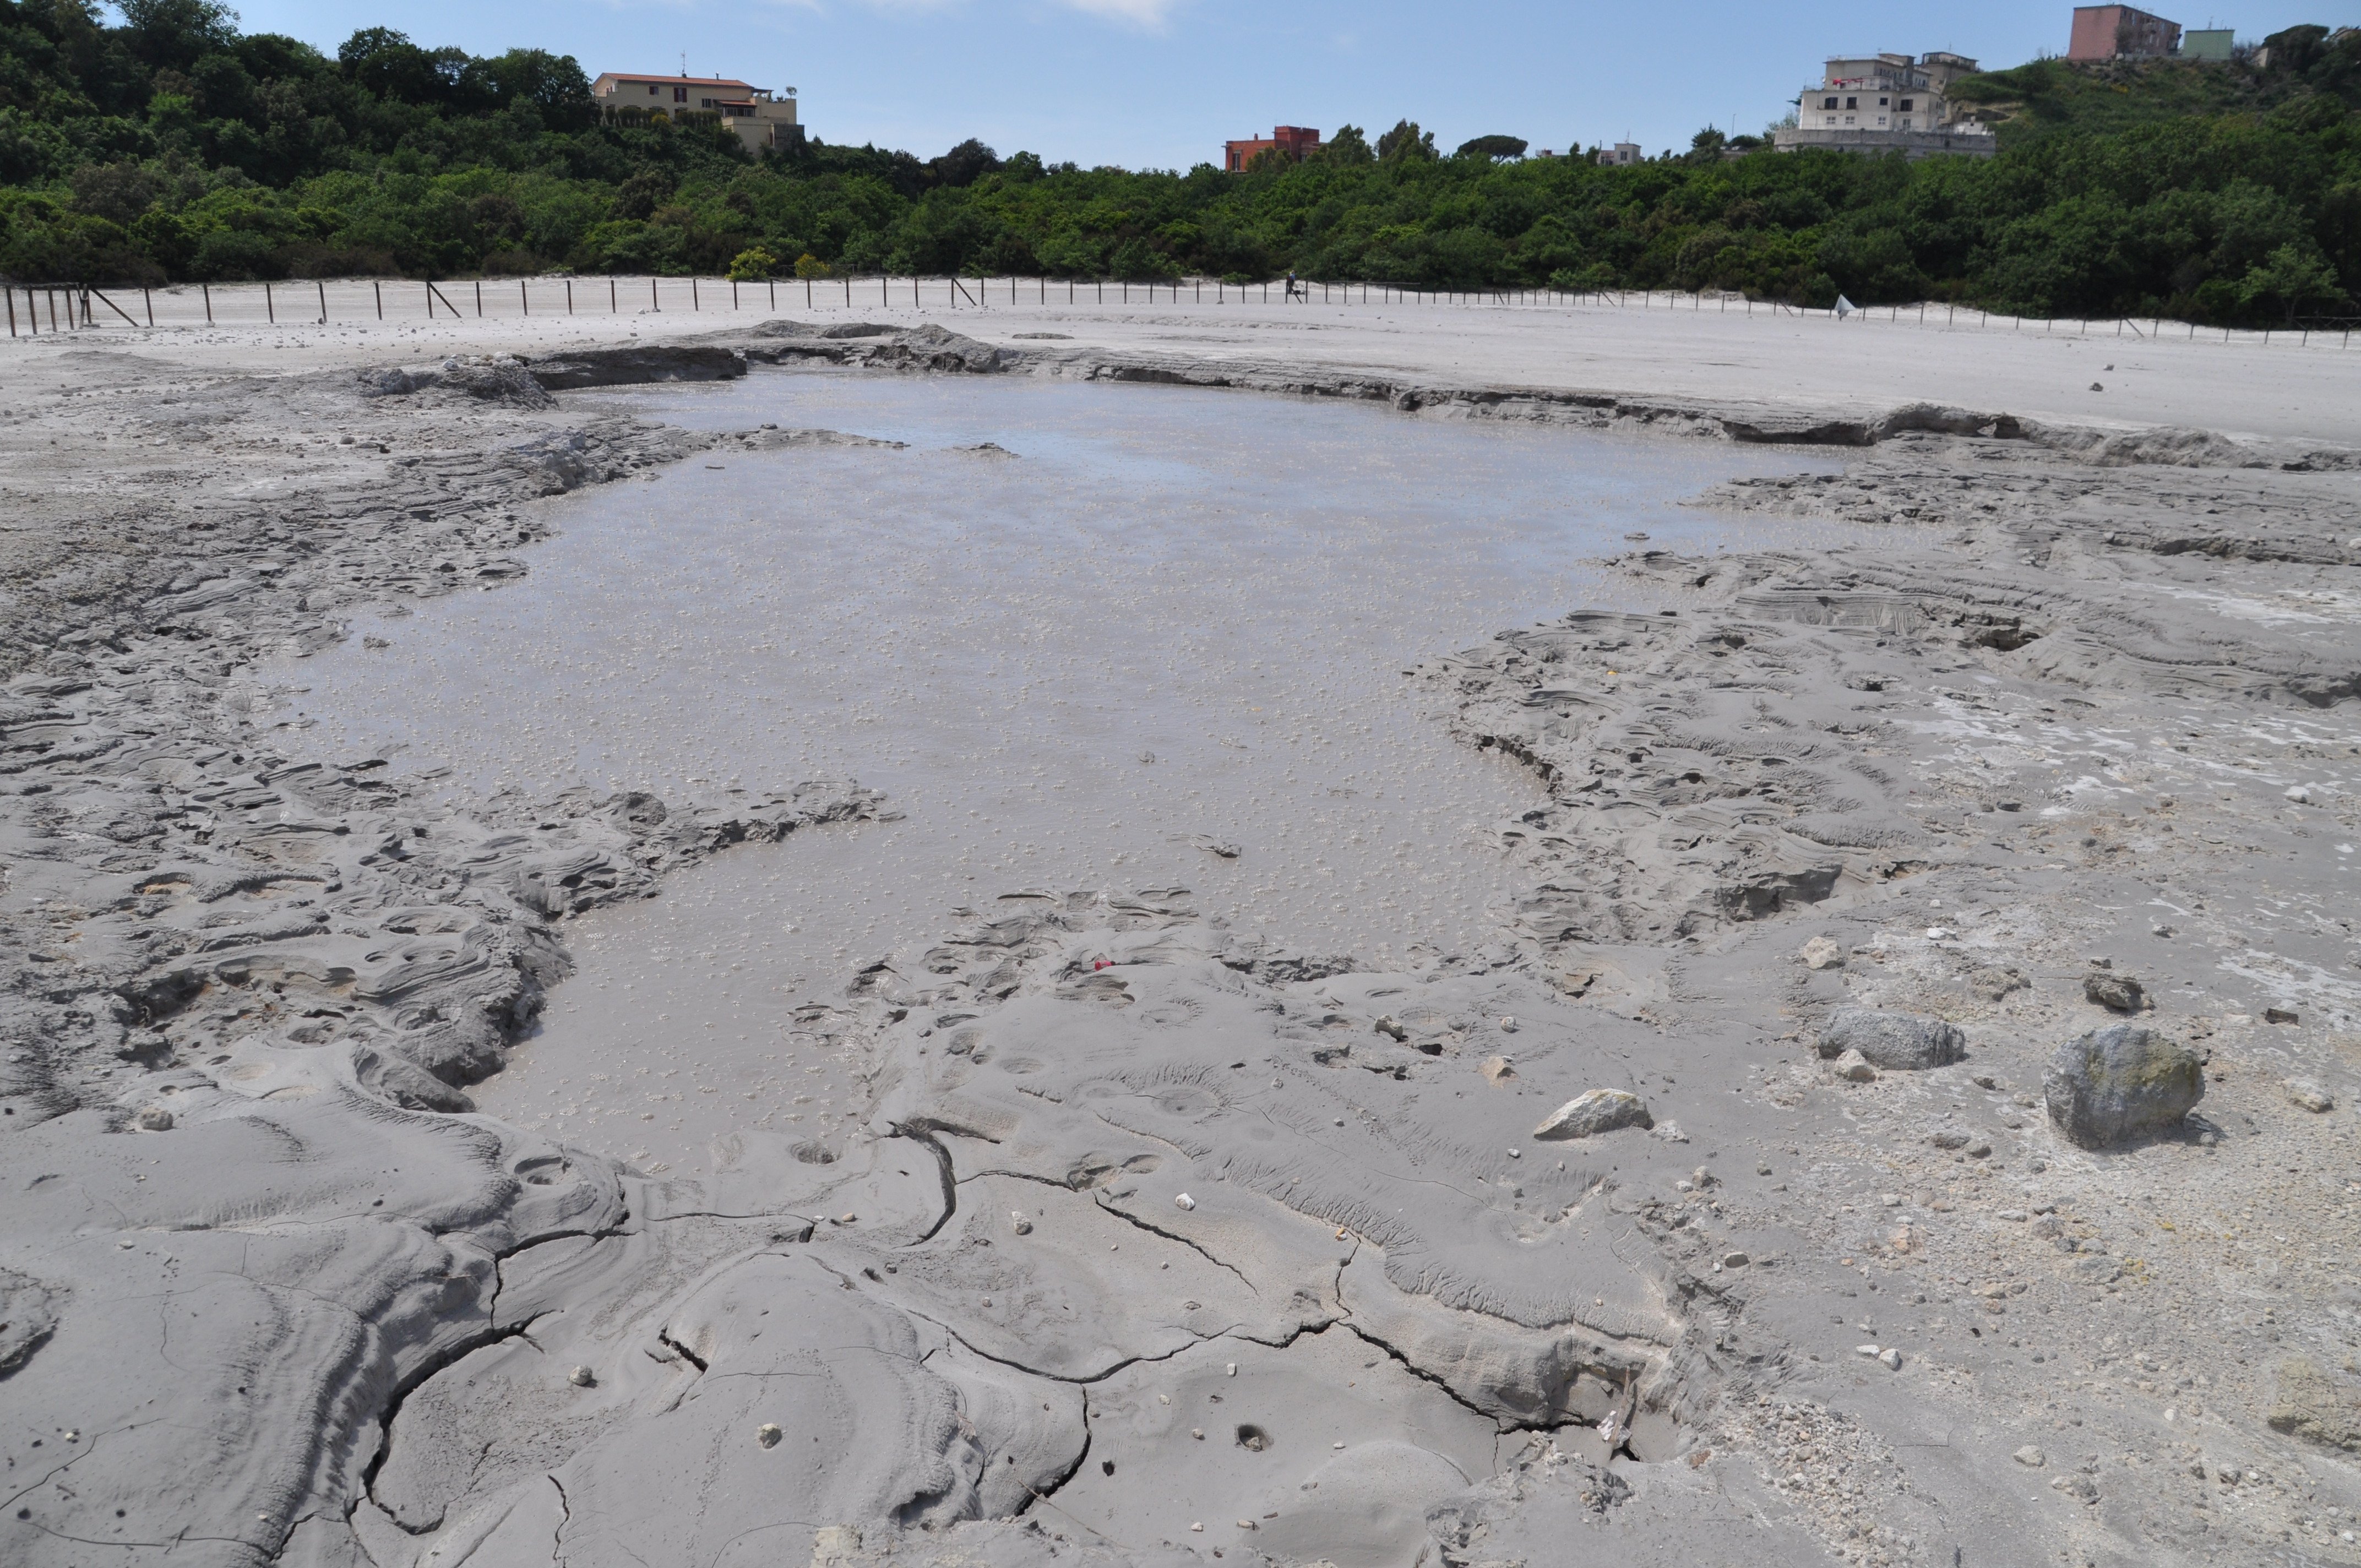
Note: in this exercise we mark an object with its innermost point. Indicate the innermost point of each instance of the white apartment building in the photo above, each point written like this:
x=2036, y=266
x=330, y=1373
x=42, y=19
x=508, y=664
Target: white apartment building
x=760, y=118
x=1886, y=102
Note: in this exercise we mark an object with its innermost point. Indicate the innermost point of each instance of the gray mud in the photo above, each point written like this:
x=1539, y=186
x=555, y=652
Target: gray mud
x=1142, y=1229
x=1079, y=636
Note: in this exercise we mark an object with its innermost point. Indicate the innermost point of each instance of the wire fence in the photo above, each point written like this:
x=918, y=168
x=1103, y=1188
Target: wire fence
x=37, y=310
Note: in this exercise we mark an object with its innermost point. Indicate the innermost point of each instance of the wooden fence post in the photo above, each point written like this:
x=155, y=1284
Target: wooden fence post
x=479, y=299
x=144, y=295
x=524, y=301
x=268, y=309
x=208, y=288
x=324, y=300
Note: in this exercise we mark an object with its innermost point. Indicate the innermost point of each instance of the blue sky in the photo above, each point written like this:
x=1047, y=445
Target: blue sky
x=1163, y=82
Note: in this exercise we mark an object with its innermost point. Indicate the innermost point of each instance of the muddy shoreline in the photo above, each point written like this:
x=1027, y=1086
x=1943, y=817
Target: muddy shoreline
x=2108, y=717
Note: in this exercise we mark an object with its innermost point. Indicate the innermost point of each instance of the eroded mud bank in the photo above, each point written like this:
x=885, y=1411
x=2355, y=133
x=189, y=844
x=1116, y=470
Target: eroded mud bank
x=1134, y=1194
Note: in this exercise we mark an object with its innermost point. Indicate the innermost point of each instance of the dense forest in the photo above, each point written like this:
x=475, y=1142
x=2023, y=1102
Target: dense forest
x=170, y=146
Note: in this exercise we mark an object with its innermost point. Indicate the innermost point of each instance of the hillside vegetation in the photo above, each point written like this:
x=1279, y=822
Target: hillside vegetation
x=173, y=147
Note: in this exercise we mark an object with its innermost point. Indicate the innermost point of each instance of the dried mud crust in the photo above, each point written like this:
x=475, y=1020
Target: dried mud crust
x=1134, y=1185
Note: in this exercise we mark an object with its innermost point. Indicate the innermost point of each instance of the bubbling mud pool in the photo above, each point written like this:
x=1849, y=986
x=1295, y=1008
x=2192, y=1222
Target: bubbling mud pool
x=1082, y=636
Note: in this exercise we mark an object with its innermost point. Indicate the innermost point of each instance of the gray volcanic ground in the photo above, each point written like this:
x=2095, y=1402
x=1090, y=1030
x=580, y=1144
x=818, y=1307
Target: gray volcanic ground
x=1825, y=1032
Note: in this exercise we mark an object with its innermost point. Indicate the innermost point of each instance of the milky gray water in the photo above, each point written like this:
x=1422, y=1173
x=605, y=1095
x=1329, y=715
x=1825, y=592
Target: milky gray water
x=1155, y=617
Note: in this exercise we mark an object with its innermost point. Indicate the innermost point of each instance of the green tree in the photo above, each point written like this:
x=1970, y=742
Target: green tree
x=1493, y=150
x=1405, y=144
x=2291, y=277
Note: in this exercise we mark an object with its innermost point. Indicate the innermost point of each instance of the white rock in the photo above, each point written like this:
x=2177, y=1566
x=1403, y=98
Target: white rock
x=583, y=1378
x=1019, y=1223
x=2307, y=1093
x=1854, y=1068
x=1821, y=953
x=2029, y=1456
x=2299, y=795
x=1892, y=1357
x=1185, y=1202
x=1593, y=1112
x=155, y=1119
x=1507, y=1025
x=768, y=1434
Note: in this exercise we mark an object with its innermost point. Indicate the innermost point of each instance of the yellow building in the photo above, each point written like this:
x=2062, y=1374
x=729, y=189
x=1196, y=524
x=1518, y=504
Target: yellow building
x=759, y=117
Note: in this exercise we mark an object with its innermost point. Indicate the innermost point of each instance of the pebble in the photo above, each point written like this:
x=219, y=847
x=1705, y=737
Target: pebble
x=1184, y=1201
x=1507, y=1025
x=1019, y=1223
x=1735, y=1260
x=155, y=1119
x=2299, y=795
x=1892, y=1358
x=1854, y=1068
x=768, y=1434
x=1820, y=953
x=583, y=1378
x=1496, y=1069
x=2030, y=1457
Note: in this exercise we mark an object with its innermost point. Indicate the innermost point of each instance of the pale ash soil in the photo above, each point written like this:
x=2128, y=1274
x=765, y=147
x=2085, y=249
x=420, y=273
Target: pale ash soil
x=273, y=1293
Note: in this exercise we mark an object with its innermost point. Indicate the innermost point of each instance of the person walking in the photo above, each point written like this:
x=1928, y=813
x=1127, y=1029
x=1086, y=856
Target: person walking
x=1295, y=291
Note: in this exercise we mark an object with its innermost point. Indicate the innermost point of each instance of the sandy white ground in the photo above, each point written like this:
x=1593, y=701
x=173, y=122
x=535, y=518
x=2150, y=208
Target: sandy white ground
x=2285, y=389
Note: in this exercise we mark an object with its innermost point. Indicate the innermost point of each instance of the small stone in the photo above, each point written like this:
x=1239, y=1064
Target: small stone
x=1198, y=1527
x=1496, y=1069
x=846, y=1218
x=155, y=1119
x=1593, y=1112
x=1248, y=1524
x=1854, y=1068
x=2119, y=1083
x=768, y=1434
x=2279, y=1016
x=1821, y=953
x=1197, y=1432
x=1892, y=1357
x=1184, y=1201
x=1507, y=1025
x=2030, y=1457
x=2115, y=993
x=1390, y=1027
x=2299, y=795
x=1948, y=1139
x=1735, y=1260
x=1868, y=1351
x=1230, y=1369
x=2097, y=388
x=2306, y=1093
x=1019, y=1223
x=1894, y=1041
x=583, y=1378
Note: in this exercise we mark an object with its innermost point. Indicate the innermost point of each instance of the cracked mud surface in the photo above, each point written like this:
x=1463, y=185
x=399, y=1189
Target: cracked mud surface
x=275, y=1292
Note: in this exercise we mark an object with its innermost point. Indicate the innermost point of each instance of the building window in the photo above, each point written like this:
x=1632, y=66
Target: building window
x=1881, y=102
x=1852, y=103
x=1881, y=119
x=1905, y=122
x=651, y=89
x=1832, y=120
x=1830, y=105
x=680, y=94
x=1848, y=119
x=1905, y=103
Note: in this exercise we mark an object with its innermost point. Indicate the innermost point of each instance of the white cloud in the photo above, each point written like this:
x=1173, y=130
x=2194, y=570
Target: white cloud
x=1150, y=14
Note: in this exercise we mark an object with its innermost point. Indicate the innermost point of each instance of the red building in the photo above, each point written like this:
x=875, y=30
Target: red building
x=1293, y=140
x=2119, y=32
